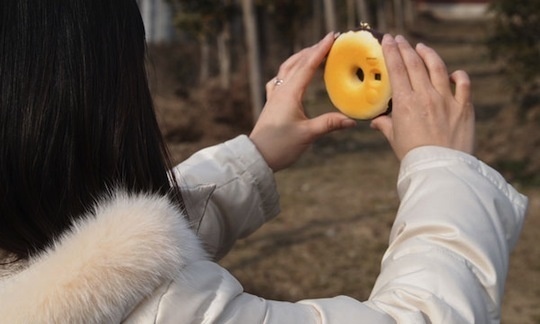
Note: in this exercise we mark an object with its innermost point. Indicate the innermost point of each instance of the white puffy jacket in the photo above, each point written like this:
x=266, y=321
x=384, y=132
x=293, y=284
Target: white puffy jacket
x=136, y=259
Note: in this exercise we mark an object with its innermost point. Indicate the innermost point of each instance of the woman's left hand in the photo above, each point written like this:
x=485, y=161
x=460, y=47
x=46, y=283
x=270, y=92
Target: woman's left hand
x=283, y=131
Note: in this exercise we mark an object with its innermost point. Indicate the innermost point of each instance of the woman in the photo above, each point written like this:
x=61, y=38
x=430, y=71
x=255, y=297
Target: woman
x=93, y=229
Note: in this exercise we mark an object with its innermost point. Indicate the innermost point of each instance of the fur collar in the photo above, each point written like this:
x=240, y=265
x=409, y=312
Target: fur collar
x=116, y=255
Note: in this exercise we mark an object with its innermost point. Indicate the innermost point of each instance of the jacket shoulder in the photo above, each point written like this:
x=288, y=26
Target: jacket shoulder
x=109, y=260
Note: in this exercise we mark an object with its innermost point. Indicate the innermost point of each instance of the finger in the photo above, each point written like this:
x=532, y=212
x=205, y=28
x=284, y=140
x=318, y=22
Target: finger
x=300, y=56
x=463, y=86
x=385, y=126
x=438, y=72
x=399, y=78
x=284, y=70
x=302, y=73
x=416, y=68
x=288, y=70
x=329, y=122
x=286, y=66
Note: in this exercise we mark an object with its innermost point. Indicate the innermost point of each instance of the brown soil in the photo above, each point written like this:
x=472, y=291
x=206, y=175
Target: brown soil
x=338, y=202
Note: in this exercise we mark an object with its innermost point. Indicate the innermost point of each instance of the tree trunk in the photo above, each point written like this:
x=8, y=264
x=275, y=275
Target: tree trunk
x=351, y=19
x=224, y=55
x=382, y=25
x=410, y=13
x=317, y=19
x=147, y=10
x=297, y=34
x=330, y=16
x=362, y=11
x=204, y=71
x=252, y=44
x=399, y=16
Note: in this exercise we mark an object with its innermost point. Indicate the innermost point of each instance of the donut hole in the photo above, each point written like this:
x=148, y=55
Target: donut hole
x=360, y=74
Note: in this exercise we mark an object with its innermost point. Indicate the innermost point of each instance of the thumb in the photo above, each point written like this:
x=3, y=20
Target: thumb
x=384, y=125
x=329, y=122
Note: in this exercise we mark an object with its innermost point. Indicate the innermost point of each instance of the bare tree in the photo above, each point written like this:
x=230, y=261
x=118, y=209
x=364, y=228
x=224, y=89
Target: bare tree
x=252, y=43
x=362, y=11
x=224, y=42
x=208, y=21
x=382, y=24
x=410, y=13
x=224, y=55
x=147, y=12
x=351, y=19
x=316, y=20
x=399, y=16
x=357, y=12
x=330, y=15
x=204, y=71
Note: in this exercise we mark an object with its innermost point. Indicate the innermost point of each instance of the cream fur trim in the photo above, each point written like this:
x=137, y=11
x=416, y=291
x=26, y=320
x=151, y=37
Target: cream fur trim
x=101, y=268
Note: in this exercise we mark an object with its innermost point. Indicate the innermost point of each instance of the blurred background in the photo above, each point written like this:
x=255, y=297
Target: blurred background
x=208, y=63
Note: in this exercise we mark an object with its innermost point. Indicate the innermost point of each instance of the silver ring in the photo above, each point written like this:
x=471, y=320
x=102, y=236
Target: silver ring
x=278, y=81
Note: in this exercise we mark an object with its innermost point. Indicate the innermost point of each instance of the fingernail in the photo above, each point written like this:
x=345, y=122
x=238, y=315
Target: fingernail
x=320, y=41
x=348, y=123
x=387, y=38
x=336, y=35
x=328, y=35
x=420, y=45
x=400, y=39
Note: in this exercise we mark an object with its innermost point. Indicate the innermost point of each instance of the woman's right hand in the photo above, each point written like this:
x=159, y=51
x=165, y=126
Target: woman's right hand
x=284, y=131
x=425, y=110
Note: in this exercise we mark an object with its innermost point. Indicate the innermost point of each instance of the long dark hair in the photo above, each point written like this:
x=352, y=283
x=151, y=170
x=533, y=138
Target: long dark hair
x=76, y=115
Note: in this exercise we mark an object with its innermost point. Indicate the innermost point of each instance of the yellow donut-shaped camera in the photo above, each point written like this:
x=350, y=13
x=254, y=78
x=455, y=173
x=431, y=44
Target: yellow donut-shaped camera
x=356, y=77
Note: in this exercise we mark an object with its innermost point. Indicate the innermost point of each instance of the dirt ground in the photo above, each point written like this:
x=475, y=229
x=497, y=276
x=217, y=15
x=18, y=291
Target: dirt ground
x=338, y=202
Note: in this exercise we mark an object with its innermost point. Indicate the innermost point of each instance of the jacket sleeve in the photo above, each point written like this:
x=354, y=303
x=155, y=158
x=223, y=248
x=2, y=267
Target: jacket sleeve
x=229, y=192
x=446, y=263
x=450, y=244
